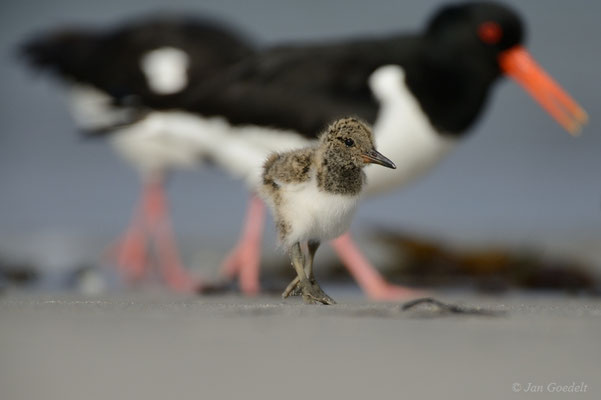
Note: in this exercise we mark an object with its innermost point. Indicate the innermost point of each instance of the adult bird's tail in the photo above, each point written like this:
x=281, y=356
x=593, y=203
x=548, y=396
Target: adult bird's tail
x=66, y=53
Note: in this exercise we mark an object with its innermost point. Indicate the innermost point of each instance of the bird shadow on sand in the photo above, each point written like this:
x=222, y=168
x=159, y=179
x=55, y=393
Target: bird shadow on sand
x=429, y=306
x=419, y=308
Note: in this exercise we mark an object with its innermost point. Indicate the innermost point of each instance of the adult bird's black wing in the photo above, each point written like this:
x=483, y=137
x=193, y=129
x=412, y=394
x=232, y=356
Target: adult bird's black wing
x=301, y=88
x=109, y=59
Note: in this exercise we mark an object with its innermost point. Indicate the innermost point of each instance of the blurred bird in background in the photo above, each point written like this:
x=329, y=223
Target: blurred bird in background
x=115, y=77
x=422, y=92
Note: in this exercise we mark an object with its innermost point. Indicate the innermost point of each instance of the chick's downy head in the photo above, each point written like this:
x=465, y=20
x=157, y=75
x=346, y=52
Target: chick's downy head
x=349, y=141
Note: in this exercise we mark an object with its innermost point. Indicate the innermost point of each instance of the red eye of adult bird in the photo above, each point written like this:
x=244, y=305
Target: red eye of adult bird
x=490, y=32
x=517, y=63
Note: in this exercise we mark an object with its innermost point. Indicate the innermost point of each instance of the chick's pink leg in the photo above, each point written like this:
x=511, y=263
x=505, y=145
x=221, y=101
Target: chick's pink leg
x=368, y=278
x=243, y=260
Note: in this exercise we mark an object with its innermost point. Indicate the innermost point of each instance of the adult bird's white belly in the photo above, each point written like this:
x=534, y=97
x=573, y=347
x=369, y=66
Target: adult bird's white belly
x=402, y=132
x=157, y=144
x=93, y=109
x=164, y=140
x=174, y=139
x=313, y=213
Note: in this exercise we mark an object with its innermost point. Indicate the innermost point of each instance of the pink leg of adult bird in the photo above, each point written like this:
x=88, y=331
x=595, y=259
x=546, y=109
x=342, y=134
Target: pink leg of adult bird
x=130, y=252
x=159, y=223
x=368, y=278
x=243, y=261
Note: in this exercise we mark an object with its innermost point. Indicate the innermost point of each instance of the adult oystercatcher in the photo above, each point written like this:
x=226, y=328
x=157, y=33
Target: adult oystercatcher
x=422, y=92
x=314, y=192
x=115, y=76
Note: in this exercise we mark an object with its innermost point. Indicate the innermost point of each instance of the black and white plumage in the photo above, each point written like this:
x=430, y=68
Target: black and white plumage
x=152, y=61
x=116, y=77
x=314, y=192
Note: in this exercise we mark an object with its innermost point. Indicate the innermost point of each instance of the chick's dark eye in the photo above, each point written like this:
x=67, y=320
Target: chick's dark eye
x=349, y=142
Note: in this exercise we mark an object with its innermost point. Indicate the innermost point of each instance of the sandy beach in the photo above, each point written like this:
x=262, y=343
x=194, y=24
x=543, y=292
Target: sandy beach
x=161, y=346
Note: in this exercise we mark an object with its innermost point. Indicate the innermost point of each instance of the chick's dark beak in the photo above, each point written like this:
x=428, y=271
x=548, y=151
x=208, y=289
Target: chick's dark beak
x=374, y=157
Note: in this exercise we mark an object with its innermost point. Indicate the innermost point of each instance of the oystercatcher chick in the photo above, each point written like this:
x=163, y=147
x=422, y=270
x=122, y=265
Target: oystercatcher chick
x=115, y=76
x=314, y=192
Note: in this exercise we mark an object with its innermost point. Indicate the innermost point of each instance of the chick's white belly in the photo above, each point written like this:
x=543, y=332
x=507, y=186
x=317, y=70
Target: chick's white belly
x=314, y=214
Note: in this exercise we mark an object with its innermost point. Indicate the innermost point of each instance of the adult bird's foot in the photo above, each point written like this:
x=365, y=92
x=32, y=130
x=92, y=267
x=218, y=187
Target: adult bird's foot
x=179, y=279
x=185, y=285
x=385, y=291
x=129, y=255
x=243, y=263
x=369, y=279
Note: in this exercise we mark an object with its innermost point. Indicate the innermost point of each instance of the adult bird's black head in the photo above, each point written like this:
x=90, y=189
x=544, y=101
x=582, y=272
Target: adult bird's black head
x=479, y=42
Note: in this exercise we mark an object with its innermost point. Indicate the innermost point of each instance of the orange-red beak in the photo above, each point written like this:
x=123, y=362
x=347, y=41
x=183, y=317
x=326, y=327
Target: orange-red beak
x=518, y=64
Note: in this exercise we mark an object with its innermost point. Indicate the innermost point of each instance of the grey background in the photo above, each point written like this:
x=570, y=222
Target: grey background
x=517, y=178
